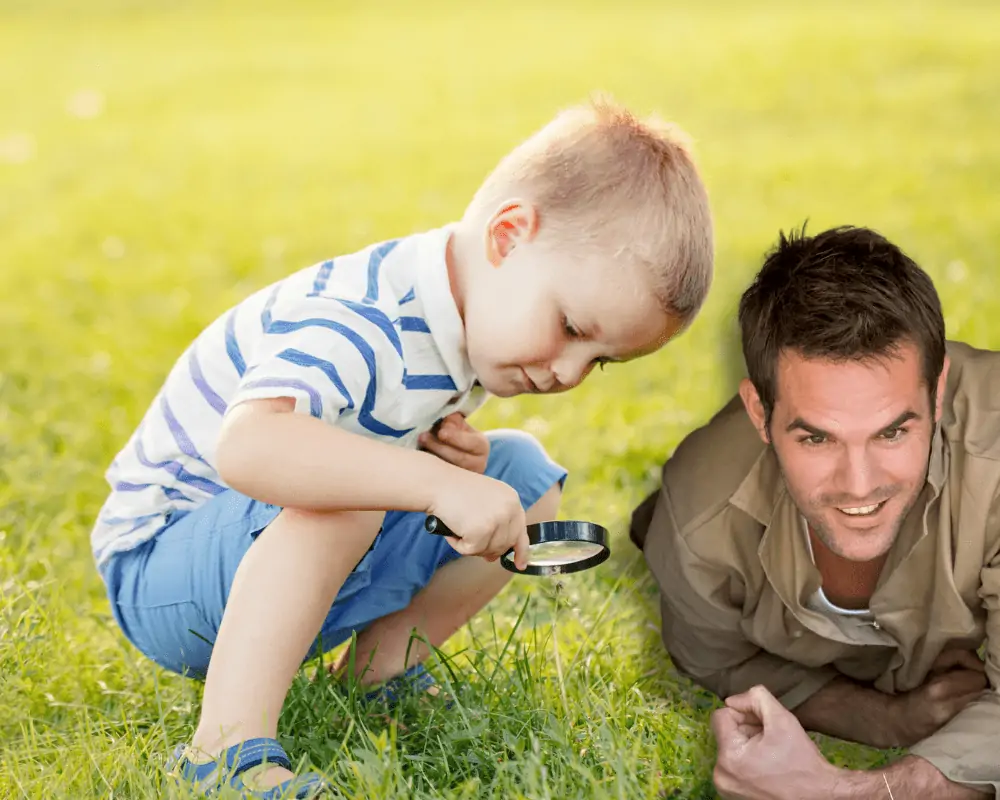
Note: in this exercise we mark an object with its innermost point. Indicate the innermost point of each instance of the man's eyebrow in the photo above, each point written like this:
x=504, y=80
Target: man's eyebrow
x=902, y=419
x=801, y=424
x=812, y=430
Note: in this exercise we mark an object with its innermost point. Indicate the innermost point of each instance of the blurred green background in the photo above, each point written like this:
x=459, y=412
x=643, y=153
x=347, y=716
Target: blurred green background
x=161, y=160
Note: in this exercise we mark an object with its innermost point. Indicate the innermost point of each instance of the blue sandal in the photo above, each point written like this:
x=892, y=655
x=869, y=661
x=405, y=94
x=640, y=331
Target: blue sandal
x=416, y=679
x=210, y=776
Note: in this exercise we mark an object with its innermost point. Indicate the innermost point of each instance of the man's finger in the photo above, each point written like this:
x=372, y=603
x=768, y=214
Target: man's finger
x=960, y=682
x=749, y=730
x=949, y=659
x=759, y=703
x=726, y=727
x=724, y=722
x=962, y=701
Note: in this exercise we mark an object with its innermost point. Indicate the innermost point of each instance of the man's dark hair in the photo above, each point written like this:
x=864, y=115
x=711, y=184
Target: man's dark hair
x=844, y=294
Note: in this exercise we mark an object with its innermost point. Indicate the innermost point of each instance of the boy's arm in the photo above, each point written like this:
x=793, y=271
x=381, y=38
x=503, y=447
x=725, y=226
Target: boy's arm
x=267, y=452
x=292, y=460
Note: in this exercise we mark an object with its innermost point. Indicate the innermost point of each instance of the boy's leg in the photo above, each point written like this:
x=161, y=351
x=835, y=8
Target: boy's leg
x=419, y=581
x=282, y=591
x=456, y=592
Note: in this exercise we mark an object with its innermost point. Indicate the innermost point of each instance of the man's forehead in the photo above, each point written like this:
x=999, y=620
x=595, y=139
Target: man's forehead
x=869, y=392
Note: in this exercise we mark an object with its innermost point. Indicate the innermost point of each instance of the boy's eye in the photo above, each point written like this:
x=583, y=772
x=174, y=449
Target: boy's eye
x=571, y=330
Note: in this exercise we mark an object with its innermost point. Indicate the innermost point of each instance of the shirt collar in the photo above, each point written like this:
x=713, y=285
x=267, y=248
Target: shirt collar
x=439, y=307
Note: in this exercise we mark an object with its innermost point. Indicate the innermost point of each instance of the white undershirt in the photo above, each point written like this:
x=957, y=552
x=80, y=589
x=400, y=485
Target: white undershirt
x=820, y=602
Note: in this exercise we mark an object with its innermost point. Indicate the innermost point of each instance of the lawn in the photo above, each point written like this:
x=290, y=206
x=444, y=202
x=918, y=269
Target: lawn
x=159, y=161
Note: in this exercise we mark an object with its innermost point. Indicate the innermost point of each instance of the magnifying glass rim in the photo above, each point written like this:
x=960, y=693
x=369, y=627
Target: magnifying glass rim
x=562, y=531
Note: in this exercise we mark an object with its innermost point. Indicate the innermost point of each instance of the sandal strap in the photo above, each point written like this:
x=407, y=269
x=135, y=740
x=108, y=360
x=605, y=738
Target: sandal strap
x=415, y=679
x=231, y=763
x=305, y=786
x=254, y=752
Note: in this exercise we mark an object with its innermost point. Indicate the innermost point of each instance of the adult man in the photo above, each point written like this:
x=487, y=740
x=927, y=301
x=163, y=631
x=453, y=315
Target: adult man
x=827, y=547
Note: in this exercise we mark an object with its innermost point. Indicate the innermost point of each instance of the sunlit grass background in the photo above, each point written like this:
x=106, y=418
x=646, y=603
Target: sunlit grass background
x=159, y=161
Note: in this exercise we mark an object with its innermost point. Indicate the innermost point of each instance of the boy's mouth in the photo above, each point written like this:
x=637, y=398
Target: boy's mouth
x=529, y=384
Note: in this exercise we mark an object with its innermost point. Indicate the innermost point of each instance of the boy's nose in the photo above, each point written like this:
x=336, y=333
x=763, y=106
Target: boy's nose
x=570, y=372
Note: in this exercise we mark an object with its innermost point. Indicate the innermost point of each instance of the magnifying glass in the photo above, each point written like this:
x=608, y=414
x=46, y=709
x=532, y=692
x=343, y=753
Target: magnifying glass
x=556, y=548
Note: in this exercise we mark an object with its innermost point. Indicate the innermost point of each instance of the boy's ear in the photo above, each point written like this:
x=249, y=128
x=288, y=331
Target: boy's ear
x=755, y=408
x=515, y=222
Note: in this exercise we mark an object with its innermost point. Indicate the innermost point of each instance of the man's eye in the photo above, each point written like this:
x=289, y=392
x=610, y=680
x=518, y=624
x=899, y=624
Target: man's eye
x=814, y=439
x=893, y=434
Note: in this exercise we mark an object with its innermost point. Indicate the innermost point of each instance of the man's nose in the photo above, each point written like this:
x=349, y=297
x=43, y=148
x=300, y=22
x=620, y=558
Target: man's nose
x=858, y=474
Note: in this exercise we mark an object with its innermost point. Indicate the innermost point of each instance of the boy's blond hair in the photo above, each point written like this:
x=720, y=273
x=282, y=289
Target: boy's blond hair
x=602, y=178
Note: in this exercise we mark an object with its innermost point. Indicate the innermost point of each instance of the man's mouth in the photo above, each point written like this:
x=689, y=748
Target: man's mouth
x=861, y=511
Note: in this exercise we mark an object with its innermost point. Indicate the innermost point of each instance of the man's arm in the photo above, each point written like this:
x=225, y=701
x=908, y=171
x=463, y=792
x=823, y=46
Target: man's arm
x=764, y=754
x=911, y=776
x=880, y=720
x=967, y=749
x=850, y=711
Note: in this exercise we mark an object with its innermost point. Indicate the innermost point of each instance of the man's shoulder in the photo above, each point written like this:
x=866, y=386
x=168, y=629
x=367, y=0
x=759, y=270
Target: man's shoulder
x=971, y=408
x=709, y=466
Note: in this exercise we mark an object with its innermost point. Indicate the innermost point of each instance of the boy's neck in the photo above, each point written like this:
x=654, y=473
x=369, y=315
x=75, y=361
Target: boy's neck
x=457, y=258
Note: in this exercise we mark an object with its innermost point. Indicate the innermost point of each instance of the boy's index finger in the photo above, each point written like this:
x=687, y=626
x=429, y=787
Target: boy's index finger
x=448, y=420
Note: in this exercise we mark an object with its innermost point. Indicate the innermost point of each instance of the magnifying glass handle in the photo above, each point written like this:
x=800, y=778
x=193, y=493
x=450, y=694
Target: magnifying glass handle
x=434, y=525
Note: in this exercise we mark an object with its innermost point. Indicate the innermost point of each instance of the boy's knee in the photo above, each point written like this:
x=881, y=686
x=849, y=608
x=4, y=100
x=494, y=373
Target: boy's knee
x=327, y=534
x=510, y=446
x=519, y=460
x=361, y=521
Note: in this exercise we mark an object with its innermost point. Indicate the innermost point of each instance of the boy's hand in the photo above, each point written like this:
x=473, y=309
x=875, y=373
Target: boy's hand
x=454, y=440
x=485, y=513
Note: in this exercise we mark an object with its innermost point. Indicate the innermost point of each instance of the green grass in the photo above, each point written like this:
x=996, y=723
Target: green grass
x=236, y=142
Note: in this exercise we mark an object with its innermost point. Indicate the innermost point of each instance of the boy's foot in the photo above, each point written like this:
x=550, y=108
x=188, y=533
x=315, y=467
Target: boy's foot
x=259, y=768
x=415, y=679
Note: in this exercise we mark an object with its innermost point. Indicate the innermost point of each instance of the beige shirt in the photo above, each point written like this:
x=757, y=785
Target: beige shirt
x=723, y=539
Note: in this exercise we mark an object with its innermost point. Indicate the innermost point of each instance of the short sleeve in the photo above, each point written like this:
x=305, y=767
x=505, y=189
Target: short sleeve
x=329, y=355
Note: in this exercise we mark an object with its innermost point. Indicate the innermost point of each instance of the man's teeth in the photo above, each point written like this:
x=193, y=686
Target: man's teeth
x=860, y=511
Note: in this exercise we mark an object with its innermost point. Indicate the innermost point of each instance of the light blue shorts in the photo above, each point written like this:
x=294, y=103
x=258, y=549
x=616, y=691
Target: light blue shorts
x=169, y=593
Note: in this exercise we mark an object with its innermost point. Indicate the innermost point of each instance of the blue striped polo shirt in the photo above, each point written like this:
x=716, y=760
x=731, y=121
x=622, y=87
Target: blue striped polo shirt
x=371, y=342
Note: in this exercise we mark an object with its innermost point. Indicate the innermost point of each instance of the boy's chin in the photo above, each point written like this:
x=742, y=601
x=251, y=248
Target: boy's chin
x=498, y=387
x=502, y=389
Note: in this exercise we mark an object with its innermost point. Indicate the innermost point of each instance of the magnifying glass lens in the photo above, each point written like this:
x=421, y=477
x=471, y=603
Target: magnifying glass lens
x=555, y=547
x=551, y=554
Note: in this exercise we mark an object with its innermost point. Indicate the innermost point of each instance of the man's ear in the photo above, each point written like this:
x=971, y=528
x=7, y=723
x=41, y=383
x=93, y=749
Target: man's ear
x=514, y=223
x=941, y=386
x=755, y=408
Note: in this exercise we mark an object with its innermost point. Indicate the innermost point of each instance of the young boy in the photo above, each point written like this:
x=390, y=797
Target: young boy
x=284, y=471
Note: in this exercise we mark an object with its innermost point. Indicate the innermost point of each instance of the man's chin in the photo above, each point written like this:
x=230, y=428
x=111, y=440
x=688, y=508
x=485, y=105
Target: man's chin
x=860, y=545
